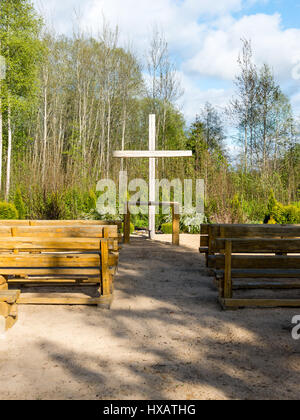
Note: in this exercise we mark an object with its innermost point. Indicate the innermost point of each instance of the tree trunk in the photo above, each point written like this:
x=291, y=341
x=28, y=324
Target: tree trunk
x=44, y=134
x=123, y=136
x=9, y=149
x=1, y=142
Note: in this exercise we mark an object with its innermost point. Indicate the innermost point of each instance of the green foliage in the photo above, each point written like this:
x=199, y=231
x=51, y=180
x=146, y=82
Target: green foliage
x=280, y=214
x=167, y=228
x=22, y=49
x=271, y=202
x=190, y=222
x=19, y=204
x=141, y=223
x=8, y=211
x=91, y=201
x=237, y=213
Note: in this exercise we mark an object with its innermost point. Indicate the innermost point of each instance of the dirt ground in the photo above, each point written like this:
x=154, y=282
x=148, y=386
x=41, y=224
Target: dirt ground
x=165, y=337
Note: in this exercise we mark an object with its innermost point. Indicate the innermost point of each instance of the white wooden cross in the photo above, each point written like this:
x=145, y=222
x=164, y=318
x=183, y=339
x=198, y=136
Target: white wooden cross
x=152, y=154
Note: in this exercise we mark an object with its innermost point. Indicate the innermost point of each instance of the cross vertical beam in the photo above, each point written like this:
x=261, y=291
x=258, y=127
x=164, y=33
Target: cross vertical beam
x=152, y=147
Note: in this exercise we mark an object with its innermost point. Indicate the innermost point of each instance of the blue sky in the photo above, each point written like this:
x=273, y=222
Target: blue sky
x=203, y=36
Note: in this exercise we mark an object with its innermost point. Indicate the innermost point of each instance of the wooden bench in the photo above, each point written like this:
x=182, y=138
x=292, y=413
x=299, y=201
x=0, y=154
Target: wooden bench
x=60, y=255
x=9, y=308
x=211, y=232
x=268, y=270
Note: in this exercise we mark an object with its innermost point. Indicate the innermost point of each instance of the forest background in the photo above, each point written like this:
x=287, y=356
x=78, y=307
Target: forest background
x=66, y=103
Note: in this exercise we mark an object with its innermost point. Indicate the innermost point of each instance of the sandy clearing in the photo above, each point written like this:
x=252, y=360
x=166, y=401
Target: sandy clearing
x=164, y=338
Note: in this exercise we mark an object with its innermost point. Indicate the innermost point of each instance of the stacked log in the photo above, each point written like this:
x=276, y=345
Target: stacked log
x=9, y=307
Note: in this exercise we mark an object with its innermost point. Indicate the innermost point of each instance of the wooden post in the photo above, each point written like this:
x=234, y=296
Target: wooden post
x=152, y=144
x=127, y=225
x=105, y=289
x=175, y=224
x=227, y=273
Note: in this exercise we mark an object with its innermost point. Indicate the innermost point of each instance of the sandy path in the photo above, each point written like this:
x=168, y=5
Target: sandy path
x=164, y=338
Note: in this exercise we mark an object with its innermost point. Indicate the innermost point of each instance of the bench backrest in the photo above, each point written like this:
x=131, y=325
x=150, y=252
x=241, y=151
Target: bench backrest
x=258, y=245
x=88, y=231
x=58, y=223
x=209, y=233
x=49, y=244
x=275, y=262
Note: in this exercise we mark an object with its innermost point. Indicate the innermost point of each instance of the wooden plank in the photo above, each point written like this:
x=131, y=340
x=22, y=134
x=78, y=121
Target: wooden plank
x=239, y=285
x=204, y=229
x=214, y=232
x=52, y=300
x=227, y=274
x=260, y=231
x=20, y=243
x=10, y=322
x=50, y=271
x=59, y=281
x=4, y=309
x=9, y=296
x=51, y=260
x=259, y=245
x=203, y=250
x=265, y=273
x=14, y=222
x=266, y=303
x=66, y=231
x=66, y=222
x=105, y=274
x=256, y=261
x=204, y=241
x=175, y=225
x=5, y=231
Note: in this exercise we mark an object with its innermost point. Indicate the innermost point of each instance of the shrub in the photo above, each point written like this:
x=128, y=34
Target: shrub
x=91, y=201
x=54, y=207
x=280, y=214
x=19, y=204
x=141, y=224
x=167, y=228
x=8, y=211
x=237, y=213
x=190, y=221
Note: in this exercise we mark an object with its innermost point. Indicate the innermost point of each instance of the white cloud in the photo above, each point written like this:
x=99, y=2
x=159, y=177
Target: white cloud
x=204, y=37
x=278, y=47
x=195, y=97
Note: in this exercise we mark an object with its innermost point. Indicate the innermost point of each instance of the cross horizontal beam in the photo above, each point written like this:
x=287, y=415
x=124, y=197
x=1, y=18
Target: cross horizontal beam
x=152, y=154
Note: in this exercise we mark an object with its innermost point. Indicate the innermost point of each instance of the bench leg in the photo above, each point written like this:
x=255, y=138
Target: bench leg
x=3, y=283
x=227, y=273
x=105, y=298
x=105, y=302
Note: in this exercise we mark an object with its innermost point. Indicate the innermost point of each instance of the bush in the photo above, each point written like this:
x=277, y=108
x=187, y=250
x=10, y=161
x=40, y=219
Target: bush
x=19, y=204
x=91, y=201
x=54, y=207
x=280, y=214
x=190, y=221
x=237, y=213
x=167, y=228
x=141, y=224
x=8, y=211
